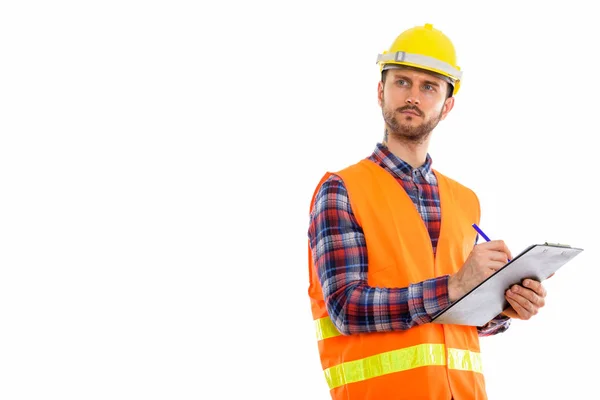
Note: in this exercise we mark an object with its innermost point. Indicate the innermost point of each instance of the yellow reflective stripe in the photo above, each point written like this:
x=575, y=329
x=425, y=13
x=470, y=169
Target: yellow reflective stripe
x=464, y=360
x=402, y=360
x=385, y=363
x=395, y=360
x=325, y=328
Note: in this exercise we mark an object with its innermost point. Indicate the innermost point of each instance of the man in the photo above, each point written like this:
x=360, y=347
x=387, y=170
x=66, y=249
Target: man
x=391, y=243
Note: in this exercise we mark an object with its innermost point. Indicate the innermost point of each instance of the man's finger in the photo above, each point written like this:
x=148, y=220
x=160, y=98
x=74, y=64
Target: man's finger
x=536, y=286
x=526, y=298
x=530, y=296
x=497, y=255
x=497, y=245
x=517, y=306
x=521, y=312
x=495, y=265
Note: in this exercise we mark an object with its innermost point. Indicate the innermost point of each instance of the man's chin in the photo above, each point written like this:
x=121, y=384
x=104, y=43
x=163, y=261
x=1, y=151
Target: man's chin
x=410, y=131
x=409, y=135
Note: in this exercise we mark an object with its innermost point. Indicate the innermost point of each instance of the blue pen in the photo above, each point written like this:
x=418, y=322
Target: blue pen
x=483, y=235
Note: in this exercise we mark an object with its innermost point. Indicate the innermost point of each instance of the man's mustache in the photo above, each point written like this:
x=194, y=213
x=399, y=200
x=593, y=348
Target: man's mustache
x=412, y=108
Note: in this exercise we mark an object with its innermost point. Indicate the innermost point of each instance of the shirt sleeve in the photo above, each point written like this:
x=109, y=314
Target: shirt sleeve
x=339, y=251
x=497, y=325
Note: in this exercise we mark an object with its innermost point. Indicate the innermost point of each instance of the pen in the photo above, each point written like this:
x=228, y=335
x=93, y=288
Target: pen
x=483, y=235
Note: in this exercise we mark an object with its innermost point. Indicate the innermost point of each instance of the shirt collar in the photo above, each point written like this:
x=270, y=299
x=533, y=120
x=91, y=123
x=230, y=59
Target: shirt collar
x=401, y=168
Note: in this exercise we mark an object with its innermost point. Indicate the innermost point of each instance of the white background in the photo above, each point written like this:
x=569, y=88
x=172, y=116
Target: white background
x=156, y=165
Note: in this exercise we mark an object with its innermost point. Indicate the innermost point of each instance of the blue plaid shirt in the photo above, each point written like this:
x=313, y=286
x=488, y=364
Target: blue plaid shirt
x=340, y=254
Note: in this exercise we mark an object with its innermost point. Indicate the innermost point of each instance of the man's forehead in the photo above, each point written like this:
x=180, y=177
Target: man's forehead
x=403, y=69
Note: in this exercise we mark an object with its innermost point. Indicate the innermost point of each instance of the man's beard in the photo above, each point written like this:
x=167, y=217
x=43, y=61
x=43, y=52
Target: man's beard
x=406, y=133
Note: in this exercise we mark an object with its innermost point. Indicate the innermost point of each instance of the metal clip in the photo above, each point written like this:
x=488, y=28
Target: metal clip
x=557, y=244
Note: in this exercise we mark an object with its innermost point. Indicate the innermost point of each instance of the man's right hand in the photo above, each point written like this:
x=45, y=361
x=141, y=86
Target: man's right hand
x=483, y=261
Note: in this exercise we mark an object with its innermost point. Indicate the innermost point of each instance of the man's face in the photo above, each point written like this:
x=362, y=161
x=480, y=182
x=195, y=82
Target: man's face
x=412, y=103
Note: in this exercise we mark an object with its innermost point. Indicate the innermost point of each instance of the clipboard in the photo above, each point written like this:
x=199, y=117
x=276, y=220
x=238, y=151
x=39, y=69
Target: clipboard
x=486, y=300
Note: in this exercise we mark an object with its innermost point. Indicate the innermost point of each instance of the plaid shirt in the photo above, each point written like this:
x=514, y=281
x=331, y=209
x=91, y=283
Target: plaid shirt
x=340, y=253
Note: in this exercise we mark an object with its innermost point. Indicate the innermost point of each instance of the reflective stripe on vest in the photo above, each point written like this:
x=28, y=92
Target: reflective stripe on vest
x=325, y=328
x=428, y=354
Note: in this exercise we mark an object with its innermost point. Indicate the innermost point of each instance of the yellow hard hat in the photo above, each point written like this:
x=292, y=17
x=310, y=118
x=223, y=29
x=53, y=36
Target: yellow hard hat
x=423, y=47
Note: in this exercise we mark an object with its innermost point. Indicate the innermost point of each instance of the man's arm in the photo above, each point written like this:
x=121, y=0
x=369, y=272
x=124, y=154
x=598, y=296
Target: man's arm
x=498, y=324
x=340, y=255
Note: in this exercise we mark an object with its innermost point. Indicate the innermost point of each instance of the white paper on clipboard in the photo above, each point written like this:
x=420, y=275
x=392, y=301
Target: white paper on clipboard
x=487, y=300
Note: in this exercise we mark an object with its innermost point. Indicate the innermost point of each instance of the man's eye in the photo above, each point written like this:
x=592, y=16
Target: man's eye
x=428, y=87
x=401, y=82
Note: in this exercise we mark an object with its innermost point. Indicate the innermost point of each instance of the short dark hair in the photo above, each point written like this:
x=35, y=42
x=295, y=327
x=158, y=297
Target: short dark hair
x=450, y=86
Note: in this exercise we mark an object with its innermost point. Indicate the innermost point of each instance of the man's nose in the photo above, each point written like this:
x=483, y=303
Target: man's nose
x=413, y=97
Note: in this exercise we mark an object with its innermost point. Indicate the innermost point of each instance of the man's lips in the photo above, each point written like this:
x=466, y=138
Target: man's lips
x=410, y=112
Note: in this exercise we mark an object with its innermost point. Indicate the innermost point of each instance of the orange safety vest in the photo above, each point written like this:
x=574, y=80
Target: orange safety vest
x=430, y=361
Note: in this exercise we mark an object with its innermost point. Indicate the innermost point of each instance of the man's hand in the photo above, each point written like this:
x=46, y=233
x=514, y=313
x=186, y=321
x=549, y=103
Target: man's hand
x=525, y=300
x=484, y=259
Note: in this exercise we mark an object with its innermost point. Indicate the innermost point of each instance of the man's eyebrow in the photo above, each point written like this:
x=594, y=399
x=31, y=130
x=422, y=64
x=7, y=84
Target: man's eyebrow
x=399, y=75
x=432, y=83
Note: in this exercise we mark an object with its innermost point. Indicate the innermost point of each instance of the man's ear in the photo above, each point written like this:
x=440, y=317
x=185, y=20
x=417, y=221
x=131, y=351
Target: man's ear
x=380, y=93
x=448, y=106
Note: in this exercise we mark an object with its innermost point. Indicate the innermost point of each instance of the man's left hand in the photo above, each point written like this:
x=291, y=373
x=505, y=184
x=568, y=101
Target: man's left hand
x=525, y=300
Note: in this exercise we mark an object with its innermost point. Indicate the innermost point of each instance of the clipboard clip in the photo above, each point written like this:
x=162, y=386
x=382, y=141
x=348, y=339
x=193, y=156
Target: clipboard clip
x=557, y=244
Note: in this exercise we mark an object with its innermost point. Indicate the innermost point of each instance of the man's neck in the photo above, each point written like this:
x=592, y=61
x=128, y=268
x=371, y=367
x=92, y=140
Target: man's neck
x=412, y=153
